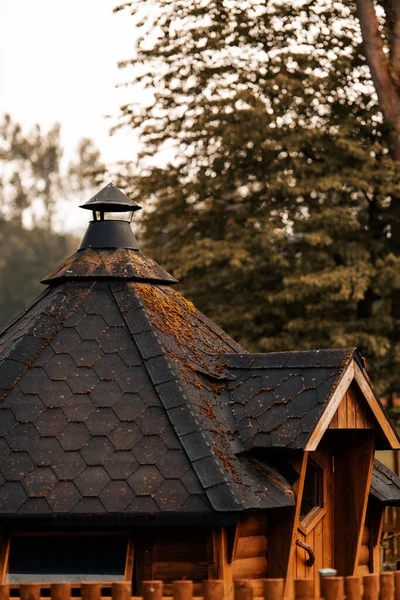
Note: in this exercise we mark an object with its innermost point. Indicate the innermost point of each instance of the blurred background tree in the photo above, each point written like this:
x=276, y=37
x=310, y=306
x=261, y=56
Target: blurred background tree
x=268, y=168
x=32, y=183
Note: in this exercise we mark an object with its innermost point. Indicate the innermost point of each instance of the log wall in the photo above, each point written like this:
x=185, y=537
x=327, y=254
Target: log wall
x=250, y=550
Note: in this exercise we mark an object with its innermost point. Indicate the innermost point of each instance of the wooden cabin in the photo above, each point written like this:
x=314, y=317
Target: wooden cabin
x=139, y=441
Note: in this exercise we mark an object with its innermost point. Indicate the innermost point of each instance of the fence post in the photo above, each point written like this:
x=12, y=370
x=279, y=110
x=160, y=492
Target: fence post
x=30, y=591
x=397, y=585
x=304, y=588
x=91, y=591
x=213, y=589
x=152, y=590
x=243, y=589
x=121, y=590
x=273, y=589
x=371, y=587
x=386, y=586
x=333, y=588
x=182, y=590
x=352, y=588
x=60, y=591
x=4, y=591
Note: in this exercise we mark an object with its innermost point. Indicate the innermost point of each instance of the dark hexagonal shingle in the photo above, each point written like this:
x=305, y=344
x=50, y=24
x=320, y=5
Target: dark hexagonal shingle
x=27, y=408
x=97, y=450
x=34, y=380
x=83, y=380
x=91, y=327
x=23, y=436
x=5, y=449
x=16, y=466
x=149, y=450
x=129, y=406
x=35, y=506
x=39, y=481
x=86, y=353
x=109, y=366
x=152, y=420
x=125, y=436
x=143, y=504
x=145, y=480
x=133, y=379
x=74, y=436
x=7, y=421
x=121, y=464
x=92, y=481
x=191, y=482
x=65, y=341
x=60, y=366
x=43, y=451
x=173, y=464
x=50, y=422
x=78, y=407
x=101, y=421
x=114, y=339
x=55, y=394
x=12, y=496
x=68, y=465
x=116, y=496
x=171, y=495
x=63, y=497
x=105, y=393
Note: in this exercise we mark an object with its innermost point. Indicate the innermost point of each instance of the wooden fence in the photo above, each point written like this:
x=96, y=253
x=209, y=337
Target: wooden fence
x=385, y=586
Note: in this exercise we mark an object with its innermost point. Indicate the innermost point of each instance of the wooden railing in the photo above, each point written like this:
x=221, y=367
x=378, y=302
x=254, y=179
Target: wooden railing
x=385, y=586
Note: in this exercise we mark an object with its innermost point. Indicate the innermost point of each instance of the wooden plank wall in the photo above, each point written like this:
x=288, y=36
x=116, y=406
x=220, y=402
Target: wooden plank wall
x=353, y=412
x=185, y=557
x=250, y=551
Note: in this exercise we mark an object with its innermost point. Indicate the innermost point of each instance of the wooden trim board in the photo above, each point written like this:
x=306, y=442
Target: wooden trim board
x=353, y=372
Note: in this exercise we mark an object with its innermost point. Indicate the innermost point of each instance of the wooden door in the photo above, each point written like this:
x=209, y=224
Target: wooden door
x=315, y=522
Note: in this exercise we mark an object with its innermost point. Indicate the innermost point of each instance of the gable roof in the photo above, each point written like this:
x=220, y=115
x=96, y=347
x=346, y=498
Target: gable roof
x=287, y=399
x=385, y=485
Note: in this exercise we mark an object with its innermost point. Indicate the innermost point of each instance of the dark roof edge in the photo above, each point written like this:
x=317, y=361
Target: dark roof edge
x=16, y=317
x=385, y=480
x=112, y=520
x=165, y=380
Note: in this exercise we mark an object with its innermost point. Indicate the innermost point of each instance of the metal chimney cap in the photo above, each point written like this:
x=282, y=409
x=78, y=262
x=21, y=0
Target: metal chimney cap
x=110, y=199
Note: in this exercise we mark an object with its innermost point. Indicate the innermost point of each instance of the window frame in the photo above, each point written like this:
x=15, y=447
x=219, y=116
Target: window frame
x=5, y=544
x=307, y=523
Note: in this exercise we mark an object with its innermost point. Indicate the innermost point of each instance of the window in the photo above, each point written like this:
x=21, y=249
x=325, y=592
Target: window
x=74, y=558
x=312, y=492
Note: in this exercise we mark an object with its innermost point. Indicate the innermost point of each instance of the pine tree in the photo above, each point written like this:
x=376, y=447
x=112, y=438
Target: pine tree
x=268, y=172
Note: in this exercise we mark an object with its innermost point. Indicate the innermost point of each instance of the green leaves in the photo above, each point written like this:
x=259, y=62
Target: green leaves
x=273, y=204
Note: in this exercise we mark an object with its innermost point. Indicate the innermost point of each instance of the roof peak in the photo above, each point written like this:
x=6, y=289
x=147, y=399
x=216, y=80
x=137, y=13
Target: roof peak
x=110, y=199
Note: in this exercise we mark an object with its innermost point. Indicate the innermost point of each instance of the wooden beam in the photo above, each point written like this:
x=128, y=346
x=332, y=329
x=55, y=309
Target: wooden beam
x=331, y=409
x=376, y=408
x=4, y=554
x=130, y=559
x=222, y=564
x=289, y=583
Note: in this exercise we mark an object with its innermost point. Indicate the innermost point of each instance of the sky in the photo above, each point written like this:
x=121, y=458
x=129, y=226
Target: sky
x=58, y=62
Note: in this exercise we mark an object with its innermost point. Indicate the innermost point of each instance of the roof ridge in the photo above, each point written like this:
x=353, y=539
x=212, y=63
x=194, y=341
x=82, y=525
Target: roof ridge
x=165, y=380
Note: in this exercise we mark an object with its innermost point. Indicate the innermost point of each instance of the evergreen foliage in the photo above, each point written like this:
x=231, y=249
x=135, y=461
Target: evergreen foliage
x=32, y=182
x=267, y=172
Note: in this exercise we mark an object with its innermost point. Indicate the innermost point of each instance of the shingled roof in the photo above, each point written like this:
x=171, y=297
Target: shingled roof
x=385, y=485
x=119, y=398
